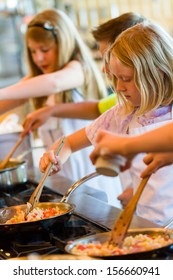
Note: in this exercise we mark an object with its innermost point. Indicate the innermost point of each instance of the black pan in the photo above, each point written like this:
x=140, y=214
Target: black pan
x=47, y=224
x=159, y=253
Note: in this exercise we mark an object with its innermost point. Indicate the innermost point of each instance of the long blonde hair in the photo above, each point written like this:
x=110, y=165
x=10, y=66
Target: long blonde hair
x=148, y=49
x=70, y=47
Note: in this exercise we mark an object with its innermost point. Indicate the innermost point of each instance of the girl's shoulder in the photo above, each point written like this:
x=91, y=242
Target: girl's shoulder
x=117, y=112
x=111, y=117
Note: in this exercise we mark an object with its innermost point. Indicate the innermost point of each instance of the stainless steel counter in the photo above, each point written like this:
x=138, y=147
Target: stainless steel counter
x=89, y=202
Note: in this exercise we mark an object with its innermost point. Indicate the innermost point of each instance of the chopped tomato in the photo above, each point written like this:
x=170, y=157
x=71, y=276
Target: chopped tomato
x=49, y=212
x=82, y=247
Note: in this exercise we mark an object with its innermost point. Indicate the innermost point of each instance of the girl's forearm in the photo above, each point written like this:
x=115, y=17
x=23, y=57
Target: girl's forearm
x=157, y=140
x=73, y=143
x=7, y=105
x=87, y=110
x=47, y=84
x=34, y=87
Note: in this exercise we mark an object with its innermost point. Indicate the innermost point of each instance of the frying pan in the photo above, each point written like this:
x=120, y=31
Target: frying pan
x=159, y=253
x=48, y=223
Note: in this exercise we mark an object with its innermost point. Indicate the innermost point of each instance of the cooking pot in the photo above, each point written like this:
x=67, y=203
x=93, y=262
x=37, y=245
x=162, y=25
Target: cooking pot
x=159, y=253
x=48, y=223
x=15, y=173
x=7, y=142
x=16, y=170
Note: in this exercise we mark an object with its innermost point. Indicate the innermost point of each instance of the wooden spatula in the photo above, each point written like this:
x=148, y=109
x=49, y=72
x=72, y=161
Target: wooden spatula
x=34, y=199
x=122, y=224
x=5, y=161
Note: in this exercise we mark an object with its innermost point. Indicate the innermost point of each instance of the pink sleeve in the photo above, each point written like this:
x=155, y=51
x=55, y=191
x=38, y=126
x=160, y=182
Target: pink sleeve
x=106, y=121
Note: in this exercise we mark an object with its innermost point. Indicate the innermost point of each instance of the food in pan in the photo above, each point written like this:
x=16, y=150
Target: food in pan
x=35, y=215
x=131, y=244
x=11, y=164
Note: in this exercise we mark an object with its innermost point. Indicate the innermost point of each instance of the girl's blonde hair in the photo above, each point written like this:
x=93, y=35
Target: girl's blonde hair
x=57, y=26
x=148, y=49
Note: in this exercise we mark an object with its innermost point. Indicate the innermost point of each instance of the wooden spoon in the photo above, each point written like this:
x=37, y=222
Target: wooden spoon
x=122, y=224
x=34, y=199
x=5, y=161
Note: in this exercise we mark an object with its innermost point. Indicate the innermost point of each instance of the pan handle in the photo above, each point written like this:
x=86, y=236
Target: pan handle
x=77, y=184
x=169, y=224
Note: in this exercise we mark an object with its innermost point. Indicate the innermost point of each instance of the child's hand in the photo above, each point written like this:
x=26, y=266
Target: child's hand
x=155, y=161
x=46, y=159
x=125, y=197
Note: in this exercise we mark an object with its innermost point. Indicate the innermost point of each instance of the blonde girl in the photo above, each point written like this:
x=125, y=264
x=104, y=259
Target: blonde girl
x=141, y=65
x=61, y=69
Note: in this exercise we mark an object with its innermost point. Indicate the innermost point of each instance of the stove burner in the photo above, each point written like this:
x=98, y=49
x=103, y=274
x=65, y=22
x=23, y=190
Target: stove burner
x=73, y=229
x=42, y=242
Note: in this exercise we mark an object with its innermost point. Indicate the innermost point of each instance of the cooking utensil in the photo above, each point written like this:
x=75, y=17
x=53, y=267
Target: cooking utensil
x=169, y=223
x=15, y=172
x=9, y=212
x=77, y=184
x=5, y=161
x=34, y=199
x=122, y=224
x=13, y=175
x=159, y=253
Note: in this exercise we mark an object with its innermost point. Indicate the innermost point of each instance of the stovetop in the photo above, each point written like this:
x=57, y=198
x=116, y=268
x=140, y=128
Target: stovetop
x=41, y=242
x=20, y=194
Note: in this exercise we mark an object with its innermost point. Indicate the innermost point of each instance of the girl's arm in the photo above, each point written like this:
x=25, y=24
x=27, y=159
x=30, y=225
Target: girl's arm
x=70, y=76
x=7, y=105
x=157, y=140
x=87, y=110
x=73, y=143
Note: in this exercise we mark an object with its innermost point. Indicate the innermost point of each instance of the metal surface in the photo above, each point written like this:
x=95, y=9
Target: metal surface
x=77, y=184
x=162, y=252
x=169, y=224
x=16, y=174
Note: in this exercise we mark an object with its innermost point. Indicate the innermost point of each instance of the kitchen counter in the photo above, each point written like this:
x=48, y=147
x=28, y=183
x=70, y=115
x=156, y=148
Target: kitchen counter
x=90, y=203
